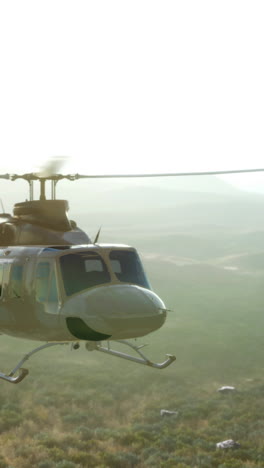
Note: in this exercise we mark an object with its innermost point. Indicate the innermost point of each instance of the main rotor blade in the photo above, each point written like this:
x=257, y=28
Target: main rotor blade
x=34, y=176
x=169, y=174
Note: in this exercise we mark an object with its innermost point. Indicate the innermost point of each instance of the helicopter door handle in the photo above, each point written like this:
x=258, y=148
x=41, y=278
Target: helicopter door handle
x=15, y=295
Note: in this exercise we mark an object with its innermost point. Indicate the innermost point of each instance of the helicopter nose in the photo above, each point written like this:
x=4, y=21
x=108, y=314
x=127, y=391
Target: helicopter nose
x=116, y=312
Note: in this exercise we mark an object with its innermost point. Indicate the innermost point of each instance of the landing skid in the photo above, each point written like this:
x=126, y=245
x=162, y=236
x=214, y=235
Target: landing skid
x=90, y=346
x=139, y=360
x=22, y=373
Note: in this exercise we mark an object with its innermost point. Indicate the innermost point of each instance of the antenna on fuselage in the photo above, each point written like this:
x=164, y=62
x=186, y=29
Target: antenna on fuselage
x=97, y=235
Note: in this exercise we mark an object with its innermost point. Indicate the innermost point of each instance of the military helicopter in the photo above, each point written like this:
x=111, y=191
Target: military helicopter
x=59, y=287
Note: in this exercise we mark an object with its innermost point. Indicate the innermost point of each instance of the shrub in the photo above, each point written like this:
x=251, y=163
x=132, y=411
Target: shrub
x=46, y=464
x=121, y=460
x=65, y=464
x=85, y=432
x=74, y=418
x=102, y=433
x=3, y=463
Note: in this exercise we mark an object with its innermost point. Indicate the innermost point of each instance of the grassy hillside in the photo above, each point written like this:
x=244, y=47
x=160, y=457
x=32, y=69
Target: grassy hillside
x=82, y=409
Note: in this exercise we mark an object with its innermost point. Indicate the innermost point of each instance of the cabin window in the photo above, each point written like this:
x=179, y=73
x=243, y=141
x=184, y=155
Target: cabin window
x=127, y=267
x=46, y=283
x=53, y=292
x=16, y=284
x=83, y=270
x=42, y=281
x=1, y=278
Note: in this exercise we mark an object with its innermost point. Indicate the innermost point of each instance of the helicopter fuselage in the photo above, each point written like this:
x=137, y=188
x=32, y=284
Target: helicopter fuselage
x=76, y=292
x=58, y=287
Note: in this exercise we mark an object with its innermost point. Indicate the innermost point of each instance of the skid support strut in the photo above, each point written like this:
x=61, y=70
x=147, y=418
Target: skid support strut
x=139, y=360
x=24, y=372
x=142, y=359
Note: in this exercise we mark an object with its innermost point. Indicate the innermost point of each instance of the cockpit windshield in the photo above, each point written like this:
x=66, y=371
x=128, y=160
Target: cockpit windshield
x=83, y=270
x=87, y=269
x=128, y=268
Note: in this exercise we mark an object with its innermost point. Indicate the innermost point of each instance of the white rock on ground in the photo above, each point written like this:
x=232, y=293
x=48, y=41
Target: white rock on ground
x=227, y=444
x=164, y=412
x=226, y=389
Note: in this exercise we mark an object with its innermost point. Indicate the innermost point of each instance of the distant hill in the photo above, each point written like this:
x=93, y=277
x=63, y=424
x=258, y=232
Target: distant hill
x=204, y=184
x=155, y=214
x=244, y=262
x=159, y=203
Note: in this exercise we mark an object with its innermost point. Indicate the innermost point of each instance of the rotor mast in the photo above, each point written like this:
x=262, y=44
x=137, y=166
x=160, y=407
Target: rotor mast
x=32, y=177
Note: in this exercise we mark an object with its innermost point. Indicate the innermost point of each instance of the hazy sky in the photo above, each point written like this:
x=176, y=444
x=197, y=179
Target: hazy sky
x=132, y=86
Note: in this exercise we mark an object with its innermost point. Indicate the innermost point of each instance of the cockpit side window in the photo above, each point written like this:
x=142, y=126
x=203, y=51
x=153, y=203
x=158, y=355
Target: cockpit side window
x=46, y=283
x=42, y=281
x=1, y=278
x=83, y=270
x=16, y=284
x=128, y=268
x=53, y=292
